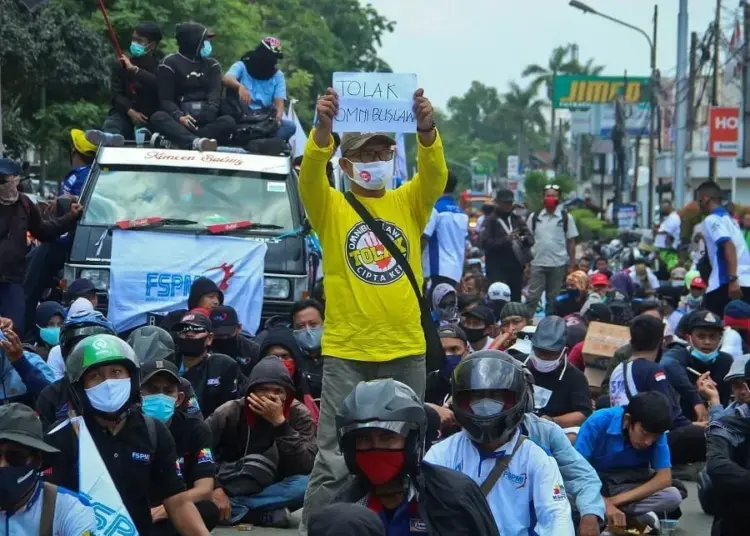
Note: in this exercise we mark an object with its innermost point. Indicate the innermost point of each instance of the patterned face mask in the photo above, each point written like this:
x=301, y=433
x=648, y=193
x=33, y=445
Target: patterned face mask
x=9, y=190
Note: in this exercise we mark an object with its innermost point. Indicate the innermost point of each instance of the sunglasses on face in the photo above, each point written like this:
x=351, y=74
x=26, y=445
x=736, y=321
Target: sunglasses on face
x=554, y=187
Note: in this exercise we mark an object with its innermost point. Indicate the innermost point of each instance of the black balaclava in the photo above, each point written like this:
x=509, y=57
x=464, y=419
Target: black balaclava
x=261, y=62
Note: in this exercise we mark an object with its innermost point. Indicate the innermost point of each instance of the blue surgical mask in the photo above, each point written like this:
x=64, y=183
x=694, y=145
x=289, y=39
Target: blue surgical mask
x=309, y=338
x=50, y=335
x=450, y=363
x=707, y=358
x=110, y=395
x=137, y=50
x=487, y=407
x=159, y=406
x=206, y=49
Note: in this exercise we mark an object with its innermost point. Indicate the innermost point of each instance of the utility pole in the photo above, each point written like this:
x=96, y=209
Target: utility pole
x=691, y=89
x=715, y=79
x=745, y=162
x=652, y=131
x=681, y=115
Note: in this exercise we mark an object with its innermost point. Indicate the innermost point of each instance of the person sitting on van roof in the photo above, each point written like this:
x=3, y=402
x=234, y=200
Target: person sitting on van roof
x=190, y=93
x=261, y=84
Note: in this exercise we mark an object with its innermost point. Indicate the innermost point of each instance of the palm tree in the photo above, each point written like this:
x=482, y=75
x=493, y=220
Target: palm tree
x=523, y=109
x=588, y=68
x=559, y=62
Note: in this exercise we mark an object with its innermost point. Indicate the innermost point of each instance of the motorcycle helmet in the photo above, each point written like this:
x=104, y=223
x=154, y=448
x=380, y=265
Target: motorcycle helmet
x=387, y=405
x=151, y=343
x=78, y=327
x=95, y=351
x=491, y=392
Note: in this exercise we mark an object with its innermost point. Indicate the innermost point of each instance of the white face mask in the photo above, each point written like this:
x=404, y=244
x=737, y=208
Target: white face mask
x=543, y=366
x=372, y=175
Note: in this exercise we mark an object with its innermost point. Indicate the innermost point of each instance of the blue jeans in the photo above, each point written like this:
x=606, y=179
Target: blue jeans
x=12, y=304
x=286, y=130
x=290, y=492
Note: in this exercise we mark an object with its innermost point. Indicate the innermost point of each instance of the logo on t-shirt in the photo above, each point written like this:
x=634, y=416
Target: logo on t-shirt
x=558, y=493
x=369, y=259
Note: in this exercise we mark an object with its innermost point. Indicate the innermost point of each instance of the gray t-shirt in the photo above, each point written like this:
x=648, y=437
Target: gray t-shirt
x=551, y=244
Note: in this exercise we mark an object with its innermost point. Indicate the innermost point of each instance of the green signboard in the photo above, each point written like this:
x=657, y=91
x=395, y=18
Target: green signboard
x=578, y=91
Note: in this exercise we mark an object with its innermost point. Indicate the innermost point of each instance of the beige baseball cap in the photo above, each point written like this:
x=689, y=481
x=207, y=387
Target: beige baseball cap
x=351, y=141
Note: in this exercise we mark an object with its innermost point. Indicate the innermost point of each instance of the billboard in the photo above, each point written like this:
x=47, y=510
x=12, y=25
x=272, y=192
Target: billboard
x=576, y=91
x=723, y=131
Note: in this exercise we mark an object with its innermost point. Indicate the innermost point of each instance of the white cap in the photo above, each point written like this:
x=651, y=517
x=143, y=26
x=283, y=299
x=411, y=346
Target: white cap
x=78, y=307
x=499, y=291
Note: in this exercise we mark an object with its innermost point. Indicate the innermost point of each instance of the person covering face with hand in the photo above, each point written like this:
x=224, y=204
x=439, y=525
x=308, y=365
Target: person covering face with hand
x=103, y=372
x=369, y=299
x=265, y=446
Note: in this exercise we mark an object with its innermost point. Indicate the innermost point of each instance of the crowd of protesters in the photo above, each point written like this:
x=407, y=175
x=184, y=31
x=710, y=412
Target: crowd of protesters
x=429, y=393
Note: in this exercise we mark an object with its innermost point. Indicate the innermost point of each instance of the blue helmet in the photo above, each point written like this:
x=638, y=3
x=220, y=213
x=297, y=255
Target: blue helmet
x=78, y=327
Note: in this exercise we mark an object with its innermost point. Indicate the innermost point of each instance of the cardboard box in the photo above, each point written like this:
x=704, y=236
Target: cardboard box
x=595, y=377
x=601, y=343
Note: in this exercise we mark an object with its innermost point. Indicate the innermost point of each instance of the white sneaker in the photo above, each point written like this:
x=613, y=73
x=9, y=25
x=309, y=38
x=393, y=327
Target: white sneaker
x=205, y=144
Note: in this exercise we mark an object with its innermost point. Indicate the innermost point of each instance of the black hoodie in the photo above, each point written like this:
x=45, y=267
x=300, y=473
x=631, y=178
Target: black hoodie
x=200, y=288
x=307, y=378
x=137, y=90
x=187, y=77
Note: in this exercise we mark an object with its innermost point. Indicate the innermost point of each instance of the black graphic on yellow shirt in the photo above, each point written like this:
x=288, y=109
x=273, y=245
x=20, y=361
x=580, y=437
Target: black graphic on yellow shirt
x=369, y=259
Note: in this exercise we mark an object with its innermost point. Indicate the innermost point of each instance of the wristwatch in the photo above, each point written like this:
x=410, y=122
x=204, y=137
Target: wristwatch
x=732, y=278
x=427, y=129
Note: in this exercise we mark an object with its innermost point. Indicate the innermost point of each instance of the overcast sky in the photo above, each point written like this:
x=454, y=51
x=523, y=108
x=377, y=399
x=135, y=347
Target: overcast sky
x=449, y=43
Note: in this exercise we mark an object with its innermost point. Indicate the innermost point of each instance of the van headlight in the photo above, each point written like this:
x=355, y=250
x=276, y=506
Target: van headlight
x=99, y=277
x=276, y=288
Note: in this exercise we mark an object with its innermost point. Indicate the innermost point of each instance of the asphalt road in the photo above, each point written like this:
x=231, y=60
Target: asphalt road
x=693, y=523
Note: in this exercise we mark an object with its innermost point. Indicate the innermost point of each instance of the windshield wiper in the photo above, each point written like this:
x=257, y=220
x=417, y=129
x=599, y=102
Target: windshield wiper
x=243, y=225
x=151, y=223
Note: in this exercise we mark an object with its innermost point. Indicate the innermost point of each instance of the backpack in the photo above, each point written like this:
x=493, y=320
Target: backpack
x=535, y=220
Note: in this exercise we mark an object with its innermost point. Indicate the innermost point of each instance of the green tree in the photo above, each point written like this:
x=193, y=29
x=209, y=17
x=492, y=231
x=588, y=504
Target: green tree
x=525, y=112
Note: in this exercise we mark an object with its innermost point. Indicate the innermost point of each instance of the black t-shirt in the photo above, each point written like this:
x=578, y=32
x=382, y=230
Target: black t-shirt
x=192, y=438
x=142, y=472
x=215, y=380
x=569, y=393
x=53, y=403
x=437, y=389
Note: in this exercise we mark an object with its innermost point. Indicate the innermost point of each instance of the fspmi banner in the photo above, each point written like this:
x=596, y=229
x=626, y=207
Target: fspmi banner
x=158, y=277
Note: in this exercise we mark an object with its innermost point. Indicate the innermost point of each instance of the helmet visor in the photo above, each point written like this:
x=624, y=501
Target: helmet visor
x=399, y=427
x=488, y=374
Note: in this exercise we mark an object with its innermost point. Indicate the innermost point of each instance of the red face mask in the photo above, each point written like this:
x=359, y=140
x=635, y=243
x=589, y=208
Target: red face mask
x=550, y=202
x=381, y=466
x=291, y=366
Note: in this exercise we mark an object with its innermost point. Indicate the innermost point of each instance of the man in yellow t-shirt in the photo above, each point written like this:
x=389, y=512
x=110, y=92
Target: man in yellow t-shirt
x=373, y=327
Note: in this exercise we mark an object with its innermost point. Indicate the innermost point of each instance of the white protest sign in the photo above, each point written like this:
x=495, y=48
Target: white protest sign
x=375, y=102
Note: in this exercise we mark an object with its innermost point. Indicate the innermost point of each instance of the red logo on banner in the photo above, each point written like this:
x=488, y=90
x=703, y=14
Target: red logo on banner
x=723, y=131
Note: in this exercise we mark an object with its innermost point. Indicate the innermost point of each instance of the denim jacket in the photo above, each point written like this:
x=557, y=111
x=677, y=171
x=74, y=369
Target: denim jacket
x=580, y=479
x=26, y=376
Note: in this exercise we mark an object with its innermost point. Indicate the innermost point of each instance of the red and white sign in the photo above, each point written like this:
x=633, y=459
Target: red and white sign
x=723, y=131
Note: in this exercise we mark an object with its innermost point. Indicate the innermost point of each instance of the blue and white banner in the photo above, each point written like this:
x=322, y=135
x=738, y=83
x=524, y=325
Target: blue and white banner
x=153, y=271
x=96, y=485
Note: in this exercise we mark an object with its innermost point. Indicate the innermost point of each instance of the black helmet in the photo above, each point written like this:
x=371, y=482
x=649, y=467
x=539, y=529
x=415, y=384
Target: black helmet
x=490, y=370
x=387, y=405
x=151, y=343
x=78, y=327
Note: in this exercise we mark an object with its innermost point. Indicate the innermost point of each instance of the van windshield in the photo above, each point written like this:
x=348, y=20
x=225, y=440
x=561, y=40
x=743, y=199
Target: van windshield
x=205, y=196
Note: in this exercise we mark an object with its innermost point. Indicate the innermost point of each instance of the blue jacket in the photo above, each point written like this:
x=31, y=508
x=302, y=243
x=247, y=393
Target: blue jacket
x=73, y=182
x=25, y=378
x=580, y=479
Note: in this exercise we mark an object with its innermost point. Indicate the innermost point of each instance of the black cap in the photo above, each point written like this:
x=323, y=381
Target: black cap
x=452, y=331
x=481, y=312
x=19, y=424
x=504, y=196
x=706, y=319
x=193, y=321
x=224, y=320
x=158, y=366
x=80, y=287
x=550, y=334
